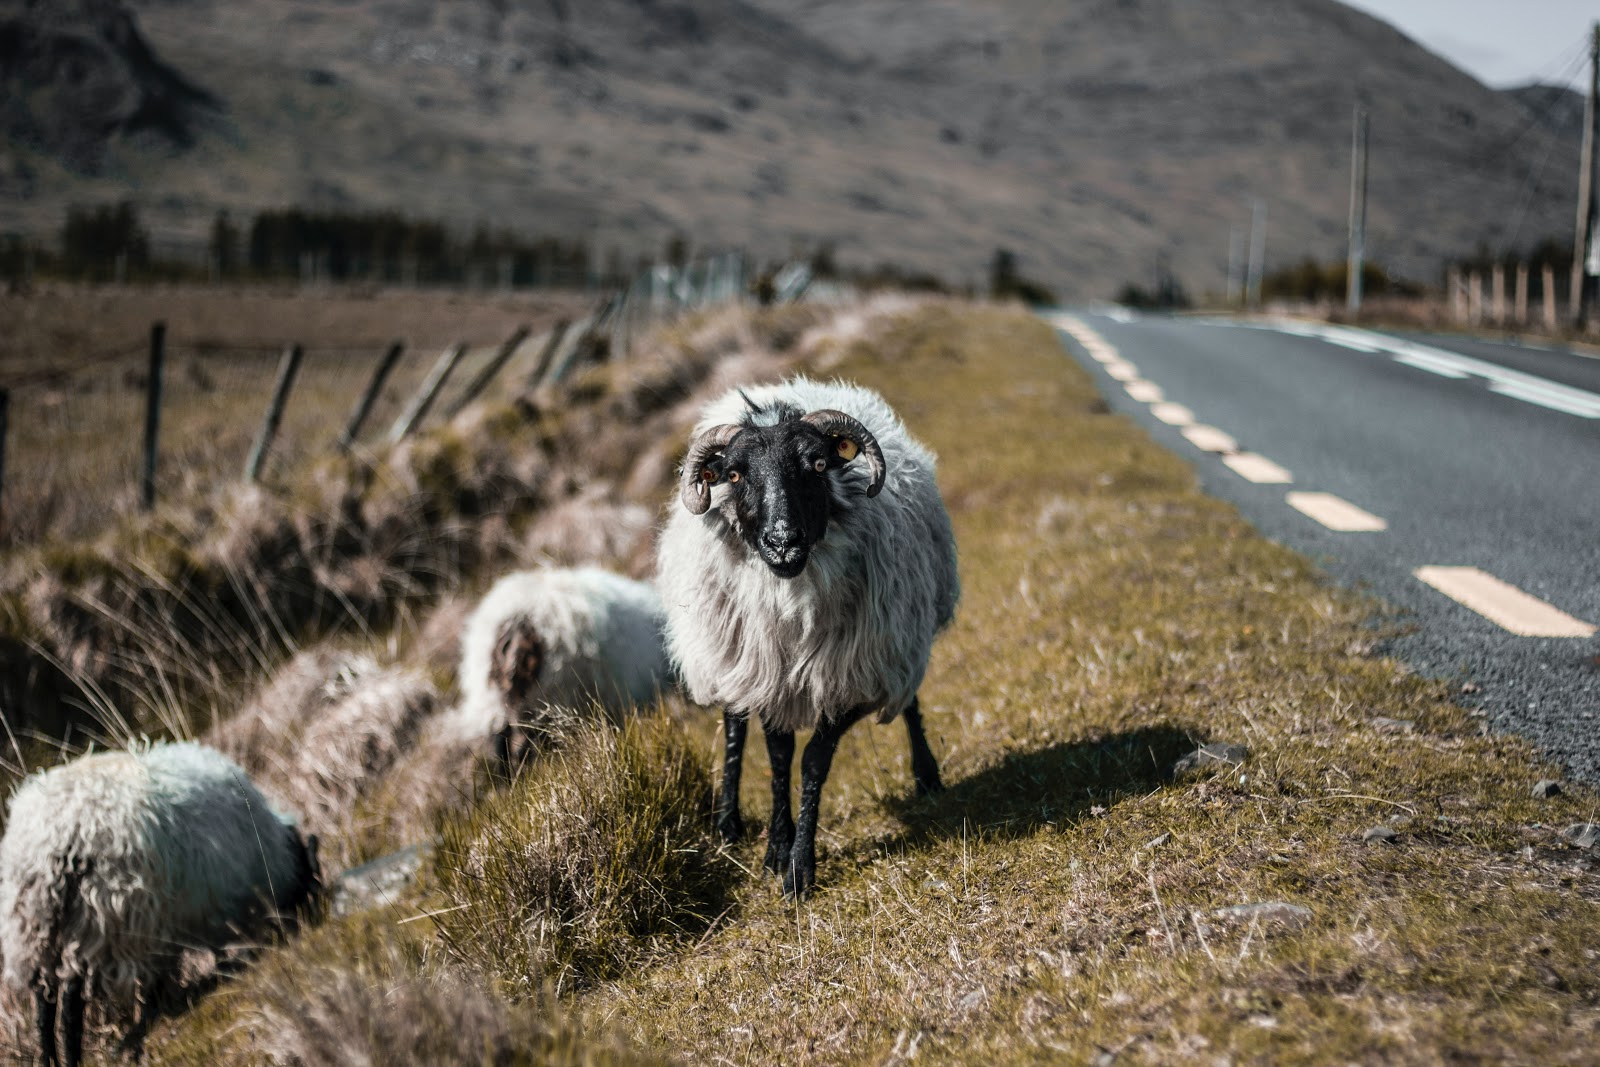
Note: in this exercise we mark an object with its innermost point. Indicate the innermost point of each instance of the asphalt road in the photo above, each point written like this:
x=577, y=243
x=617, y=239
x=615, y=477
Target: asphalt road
x=1469, y=454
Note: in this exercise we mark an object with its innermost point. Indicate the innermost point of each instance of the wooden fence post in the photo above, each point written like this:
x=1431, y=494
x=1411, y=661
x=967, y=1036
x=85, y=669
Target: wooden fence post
x=552, y=342
x=5, y=409
x=152, y=414
x=1548, y=277
x=1521, y=304
x=288, y=367
x=490, y=369
x=418, y=408
x=1452, y=283
x=370, y=396
x=1497, y=292
x=1474, y=297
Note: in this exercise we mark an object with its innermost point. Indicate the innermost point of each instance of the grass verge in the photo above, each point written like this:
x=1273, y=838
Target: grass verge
x=1060, y=899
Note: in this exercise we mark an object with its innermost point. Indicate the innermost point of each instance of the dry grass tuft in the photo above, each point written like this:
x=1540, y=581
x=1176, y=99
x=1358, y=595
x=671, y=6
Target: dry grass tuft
x=600, y=854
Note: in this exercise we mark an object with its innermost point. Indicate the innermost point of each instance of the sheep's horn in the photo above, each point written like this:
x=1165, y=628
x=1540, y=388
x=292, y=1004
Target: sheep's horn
x=838, y=424
x=693, y=488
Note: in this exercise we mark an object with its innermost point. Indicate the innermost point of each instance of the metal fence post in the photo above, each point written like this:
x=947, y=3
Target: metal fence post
x=542, y=364
x=152, y=414
x=490, y=369
x=418, y=408
x=370, y=396
x=288, y=367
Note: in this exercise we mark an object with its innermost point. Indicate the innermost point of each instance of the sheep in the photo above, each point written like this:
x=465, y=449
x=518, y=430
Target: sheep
x=114, y=864
x=803, y=589
x=562, y=637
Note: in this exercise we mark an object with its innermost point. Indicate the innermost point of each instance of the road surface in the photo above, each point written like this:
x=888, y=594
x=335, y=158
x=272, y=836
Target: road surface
x=1458, y=479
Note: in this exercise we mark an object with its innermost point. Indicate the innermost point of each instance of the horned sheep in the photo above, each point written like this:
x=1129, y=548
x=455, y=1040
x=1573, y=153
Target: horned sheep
x=558, y=638
x=804, y=580
x=114, y=864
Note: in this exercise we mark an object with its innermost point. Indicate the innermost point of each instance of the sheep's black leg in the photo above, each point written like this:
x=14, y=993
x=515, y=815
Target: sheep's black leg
x=780, y=831
x=924, y=768
x=44, y=1020
x=801, y=874
x=729, y=823
x=72, y=1022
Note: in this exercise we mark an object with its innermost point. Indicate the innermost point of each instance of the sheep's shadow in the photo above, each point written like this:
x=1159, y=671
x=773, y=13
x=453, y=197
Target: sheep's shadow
x=1051, y=786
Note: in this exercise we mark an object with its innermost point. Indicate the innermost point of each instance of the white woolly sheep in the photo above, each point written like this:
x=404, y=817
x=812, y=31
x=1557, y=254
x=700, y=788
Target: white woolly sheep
x=558, y=637
x=803, y=589
x=114, y=864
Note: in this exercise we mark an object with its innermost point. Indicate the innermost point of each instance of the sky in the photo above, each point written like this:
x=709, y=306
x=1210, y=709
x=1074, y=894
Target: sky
x=1501, y=42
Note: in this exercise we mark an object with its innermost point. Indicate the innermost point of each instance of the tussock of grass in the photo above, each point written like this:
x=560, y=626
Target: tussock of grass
x=366, y=990
x=599, y=850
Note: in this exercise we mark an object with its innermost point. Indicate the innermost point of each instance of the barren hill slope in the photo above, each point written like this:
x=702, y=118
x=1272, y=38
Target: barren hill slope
x=1091, y=137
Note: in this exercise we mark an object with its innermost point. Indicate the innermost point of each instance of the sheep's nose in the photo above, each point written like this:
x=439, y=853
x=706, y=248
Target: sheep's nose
x=781, y=537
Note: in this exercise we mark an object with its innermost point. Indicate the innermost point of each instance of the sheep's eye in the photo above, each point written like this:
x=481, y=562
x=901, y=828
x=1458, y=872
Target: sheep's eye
x=733, y=476
x=820, y=465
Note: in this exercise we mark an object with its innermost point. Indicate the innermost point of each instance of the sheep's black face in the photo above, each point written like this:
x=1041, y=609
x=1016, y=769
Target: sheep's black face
x=777, y=478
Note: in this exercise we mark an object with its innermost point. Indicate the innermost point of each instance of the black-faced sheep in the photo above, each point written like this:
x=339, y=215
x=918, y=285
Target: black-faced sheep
x=561, y=638
x=805, y=588
x=114, y=864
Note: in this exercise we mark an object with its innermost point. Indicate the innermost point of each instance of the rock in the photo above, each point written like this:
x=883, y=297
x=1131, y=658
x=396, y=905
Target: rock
x=1545, y=788
x=1268, y=913
x=1385, y=725
x=1378, y=835
x=1210, y=757
x=1582, y=834
x=373, y=883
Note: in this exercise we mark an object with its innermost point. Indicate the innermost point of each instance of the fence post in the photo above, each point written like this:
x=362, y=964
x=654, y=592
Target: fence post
x=152, y=414
x=552, y=342
x=1474, y=297
x=1458, y=311
x=370, y=396
x=418, y=408
x=490, y=369
x=288, y=367
x=1521, y=312
x=5, y=408
x=1497, y=293
x=1548, y=277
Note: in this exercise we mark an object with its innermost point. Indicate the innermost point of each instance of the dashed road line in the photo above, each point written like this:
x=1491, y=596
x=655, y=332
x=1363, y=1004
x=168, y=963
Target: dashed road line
x=1144, y=392
x=1502, y=603
x=1430, y=364
x=1336, y=513
x=1257, y=468
x=1122, y=371
x=1172, y=414
x=1209, y=438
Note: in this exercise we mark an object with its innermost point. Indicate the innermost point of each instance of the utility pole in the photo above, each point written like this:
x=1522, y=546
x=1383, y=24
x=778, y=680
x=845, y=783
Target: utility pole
x=1583, y=242
x=1258, y=253
x=1358, y=210
x=1235, y=264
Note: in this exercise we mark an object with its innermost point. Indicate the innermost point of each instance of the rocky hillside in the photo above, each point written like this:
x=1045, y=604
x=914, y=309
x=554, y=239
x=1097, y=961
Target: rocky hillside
x=1093, y=138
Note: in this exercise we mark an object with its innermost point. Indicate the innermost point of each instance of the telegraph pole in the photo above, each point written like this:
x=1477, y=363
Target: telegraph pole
x=1235, y=264
x=1258, y=253
x=1583, y=241
x=1358, y=210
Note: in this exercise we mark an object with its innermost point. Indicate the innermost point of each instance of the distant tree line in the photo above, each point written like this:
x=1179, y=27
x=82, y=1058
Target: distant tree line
x=111, y=243
x=1313, y=282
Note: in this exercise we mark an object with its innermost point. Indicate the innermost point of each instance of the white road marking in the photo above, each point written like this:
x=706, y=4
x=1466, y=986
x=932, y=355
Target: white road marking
x=1431, y=365
x=1257, y=468
x=1122, y=371
x=1502, y=380
x=1144, y=392
x=1336, y=513
x=1210, y=439
x=1104, y=354
x=1502, y=603
x=1173, y=414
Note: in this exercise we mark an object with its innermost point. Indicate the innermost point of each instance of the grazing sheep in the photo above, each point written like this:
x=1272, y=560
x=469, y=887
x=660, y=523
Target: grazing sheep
x=560, y=637
x=804, y=588
x=114, y=864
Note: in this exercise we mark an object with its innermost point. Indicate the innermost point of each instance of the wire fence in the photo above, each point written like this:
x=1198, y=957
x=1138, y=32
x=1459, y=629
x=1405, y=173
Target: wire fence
x=72, y=456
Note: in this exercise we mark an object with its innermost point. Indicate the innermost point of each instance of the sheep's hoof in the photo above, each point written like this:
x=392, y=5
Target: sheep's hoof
x=799, y=877
x=779, y=849
x=929, y=784
x=731, y=826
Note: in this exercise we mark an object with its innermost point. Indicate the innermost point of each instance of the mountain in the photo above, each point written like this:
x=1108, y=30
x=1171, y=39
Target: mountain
x=1095, y=138
x=1555, y=107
